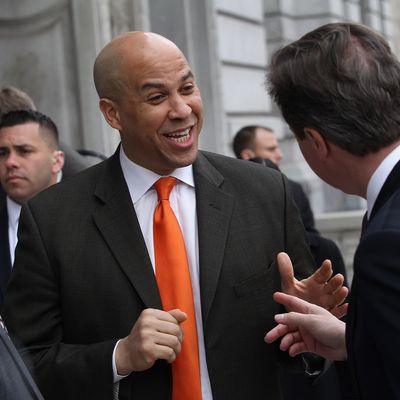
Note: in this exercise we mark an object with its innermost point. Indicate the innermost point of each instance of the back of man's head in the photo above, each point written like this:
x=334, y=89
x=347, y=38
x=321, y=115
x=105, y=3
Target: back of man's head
x=341, y=80
x=244, y=139
x=12, y=99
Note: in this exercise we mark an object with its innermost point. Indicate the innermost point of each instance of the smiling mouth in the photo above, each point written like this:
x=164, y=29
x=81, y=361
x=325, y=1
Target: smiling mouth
x=179, y=137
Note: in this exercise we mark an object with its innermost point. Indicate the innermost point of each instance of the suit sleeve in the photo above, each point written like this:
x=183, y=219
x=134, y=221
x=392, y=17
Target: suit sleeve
x=33, y=308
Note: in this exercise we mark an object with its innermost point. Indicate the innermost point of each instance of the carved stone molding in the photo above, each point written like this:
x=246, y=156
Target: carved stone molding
x=34, y=23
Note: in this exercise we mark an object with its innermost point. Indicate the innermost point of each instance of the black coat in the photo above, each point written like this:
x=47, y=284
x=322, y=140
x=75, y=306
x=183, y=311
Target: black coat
x=373, y=320
x=83, y=275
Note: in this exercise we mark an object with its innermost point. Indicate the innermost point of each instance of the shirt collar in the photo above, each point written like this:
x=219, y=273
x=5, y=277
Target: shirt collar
x=13, y=210
x=140, y=179
x=379, y=177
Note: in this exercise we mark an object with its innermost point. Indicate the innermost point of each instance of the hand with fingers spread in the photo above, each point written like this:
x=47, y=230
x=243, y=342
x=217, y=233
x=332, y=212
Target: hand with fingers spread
x=156, y=335
x=308, y=328
x=320, y=288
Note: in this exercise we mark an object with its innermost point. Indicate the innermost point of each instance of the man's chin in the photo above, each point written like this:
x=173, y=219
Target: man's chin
x=18, y=197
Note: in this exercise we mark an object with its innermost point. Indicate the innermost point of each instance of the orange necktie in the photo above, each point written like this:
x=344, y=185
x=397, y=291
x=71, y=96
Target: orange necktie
x=173, y=279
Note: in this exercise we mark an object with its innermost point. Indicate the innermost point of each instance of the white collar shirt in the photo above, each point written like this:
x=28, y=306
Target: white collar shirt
x=140, y=183
x=13, y=211
x=379, y=177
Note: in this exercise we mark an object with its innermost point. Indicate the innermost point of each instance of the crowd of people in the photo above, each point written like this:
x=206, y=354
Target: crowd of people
x=161, y=272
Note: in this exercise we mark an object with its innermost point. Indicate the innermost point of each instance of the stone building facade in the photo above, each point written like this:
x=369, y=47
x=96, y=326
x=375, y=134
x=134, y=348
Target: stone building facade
x=48, y=48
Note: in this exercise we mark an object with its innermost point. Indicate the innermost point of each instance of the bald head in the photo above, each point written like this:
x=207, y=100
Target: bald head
x=126, y=52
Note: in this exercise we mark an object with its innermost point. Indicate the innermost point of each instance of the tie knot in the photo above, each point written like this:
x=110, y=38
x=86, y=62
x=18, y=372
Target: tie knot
x=164, y=186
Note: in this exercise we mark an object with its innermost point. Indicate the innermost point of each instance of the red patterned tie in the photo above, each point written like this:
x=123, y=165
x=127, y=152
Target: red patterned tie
x=173, y=279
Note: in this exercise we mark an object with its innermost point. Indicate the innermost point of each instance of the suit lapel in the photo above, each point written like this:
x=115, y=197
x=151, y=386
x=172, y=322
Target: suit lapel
x=5, y=260
x=118, y=224
x=214, y=210
x=391, y=184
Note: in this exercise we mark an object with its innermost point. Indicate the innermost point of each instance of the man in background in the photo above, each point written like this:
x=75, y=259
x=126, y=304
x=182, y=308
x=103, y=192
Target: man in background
x=338, y=90
x=30, y=161
x=11, y=99
x=259, y=143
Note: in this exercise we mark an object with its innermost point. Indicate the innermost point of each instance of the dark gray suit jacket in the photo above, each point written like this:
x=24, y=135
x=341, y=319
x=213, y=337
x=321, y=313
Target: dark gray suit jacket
x=5, y=259
x=82, y=276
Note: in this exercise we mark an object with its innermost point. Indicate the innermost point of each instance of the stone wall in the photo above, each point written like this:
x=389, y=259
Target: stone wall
x=48, y=48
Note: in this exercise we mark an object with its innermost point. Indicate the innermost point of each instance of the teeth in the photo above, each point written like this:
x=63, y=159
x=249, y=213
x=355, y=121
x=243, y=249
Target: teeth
x=179, y=136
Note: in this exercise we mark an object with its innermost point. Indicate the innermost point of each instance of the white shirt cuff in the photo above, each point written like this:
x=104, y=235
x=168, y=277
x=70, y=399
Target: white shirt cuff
x=117, y=377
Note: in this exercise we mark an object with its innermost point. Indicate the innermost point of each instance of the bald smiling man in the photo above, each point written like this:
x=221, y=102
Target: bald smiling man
x=83, y=300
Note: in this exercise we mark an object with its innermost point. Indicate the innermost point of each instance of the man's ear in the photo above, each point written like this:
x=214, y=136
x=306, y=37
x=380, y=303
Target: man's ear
x=246, y=154
x=110, y=112
x=319, y=143
x=58, y=161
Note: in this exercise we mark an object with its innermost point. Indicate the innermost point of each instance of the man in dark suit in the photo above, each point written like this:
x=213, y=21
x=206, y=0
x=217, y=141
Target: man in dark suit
x=83, y=299
x=12, y=99
x=30, y=161
x=338, y=89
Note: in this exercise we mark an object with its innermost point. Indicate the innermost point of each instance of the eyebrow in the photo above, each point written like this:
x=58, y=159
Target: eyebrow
x=18, y=146
x=159, y=85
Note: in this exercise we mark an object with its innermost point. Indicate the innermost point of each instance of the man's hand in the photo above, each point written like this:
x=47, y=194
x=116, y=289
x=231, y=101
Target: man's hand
x=320, y=288
x=308, y=328
x=156, y=335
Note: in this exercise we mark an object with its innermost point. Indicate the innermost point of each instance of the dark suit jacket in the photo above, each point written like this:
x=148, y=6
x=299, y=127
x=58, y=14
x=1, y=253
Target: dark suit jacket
x=373, y=320
x=303, y=204
x=15, y=380
x=5, y=260
x=82, y=276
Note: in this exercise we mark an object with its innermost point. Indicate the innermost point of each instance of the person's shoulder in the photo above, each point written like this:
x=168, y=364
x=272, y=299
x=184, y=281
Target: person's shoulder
x=240, y=177
x=74, y=162
x=74, y=187
x=388, y=216
x=230, y=165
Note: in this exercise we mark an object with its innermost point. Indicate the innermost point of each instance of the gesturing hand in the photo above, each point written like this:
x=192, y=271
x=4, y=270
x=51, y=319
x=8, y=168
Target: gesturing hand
x=308, y=328
x=320, y=288
x=156, y=335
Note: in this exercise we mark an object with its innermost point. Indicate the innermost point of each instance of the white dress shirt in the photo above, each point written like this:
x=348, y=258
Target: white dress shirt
x=140, y=182
x=13, y=211
x=379, y=177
